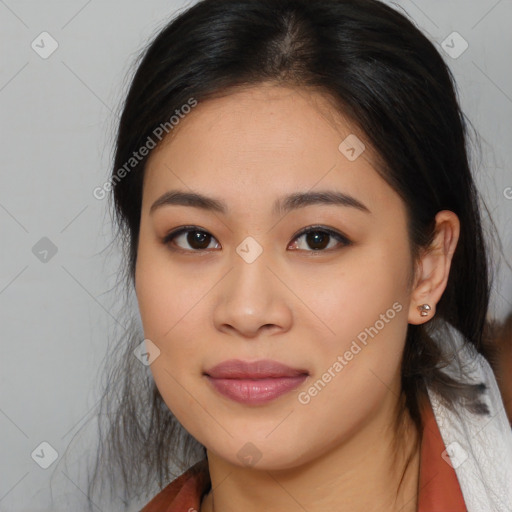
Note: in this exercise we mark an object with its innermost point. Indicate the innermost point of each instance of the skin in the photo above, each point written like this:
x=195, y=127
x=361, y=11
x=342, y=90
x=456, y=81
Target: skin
x=292, y=304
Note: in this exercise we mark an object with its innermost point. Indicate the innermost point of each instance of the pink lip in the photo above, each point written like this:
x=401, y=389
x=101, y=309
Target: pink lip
x=254, y=382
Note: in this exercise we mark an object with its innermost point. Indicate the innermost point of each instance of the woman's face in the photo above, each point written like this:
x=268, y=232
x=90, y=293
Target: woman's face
x=245, y=284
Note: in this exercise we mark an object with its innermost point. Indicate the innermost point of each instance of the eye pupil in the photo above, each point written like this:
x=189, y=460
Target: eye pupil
x=199, y=237
x=317, y=237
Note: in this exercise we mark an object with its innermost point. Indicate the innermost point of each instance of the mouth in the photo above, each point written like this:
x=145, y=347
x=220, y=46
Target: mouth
x=254, y=383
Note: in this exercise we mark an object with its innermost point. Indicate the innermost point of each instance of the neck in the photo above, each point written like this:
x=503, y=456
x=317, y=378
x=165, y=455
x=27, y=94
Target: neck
x=369, y=472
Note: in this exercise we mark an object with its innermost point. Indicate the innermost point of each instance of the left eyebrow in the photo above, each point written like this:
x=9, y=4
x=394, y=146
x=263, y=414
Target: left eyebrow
x=327, y=197
x=281, y=206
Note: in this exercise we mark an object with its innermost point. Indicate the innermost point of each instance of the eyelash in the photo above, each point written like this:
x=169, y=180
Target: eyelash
x=314, y=229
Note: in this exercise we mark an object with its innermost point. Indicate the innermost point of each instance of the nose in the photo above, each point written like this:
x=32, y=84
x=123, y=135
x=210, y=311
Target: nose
x=251, y=300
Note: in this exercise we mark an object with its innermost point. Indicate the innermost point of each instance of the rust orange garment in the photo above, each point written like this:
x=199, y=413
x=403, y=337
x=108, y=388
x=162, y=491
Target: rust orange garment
x=438, y=491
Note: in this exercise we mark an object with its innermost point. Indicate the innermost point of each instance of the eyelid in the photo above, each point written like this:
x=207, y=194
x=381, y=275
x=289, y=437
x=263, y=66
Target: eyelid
x=180, y=230
x=320, y=227
x=168, y=238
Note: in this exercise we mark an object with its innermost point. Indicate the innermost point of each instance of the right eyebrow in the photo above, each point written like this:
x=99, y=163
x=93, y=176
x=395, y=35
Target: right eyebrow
x=193, y=199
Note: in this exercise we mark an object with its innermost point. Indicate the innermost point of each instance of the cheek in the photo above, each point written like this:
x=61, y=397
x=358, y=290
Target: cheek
x=164, y=293
x=364, y=302
x=350, y=295
x=153, y=299
x=169, y=317
x=357, y=369
x=172, y=301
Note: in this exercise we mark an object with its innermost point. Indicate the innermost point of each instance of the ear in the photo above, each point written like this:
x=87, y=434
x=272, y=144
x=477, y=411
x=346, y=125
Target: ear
x=433, y=267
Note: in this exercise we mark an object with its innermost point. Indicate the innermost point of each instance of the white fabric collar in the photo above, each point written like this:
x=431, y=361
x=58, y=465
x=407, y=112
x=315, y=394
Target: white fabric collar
x=479, y=446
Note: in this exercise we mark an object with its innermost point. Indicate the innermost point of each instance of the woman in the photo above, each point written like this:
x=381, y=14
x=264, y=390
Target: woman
x=304, y=240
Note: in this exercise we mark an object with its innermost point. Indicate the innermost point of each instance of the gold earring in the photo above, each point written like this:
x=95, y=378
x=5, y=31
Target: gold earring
x=424, y=309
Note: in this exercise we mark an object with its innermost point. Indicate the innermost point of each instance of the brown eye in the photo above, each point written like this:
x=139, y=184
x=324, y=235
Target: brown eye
x=318, y=239
x=197, y=240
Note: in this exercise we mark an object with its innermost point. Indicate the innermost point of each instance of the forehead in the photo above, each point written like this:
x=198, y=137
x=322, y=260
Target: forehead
x=265, y=118
x=262, y=141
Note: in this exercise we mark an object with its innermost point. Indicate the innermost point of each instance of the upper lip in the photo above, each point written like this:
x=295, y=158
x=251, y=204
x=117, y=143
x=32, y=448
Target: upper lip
x=264, y=368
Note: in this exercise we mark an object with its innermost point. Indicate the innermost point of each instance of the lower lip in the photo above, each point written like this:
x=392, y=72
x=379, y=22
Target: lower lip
x=254, y=392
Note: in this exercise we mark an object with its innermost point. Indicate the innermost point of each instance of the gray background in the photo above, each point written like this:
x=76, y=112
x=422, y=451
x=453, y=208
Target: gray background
x=58, y=120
